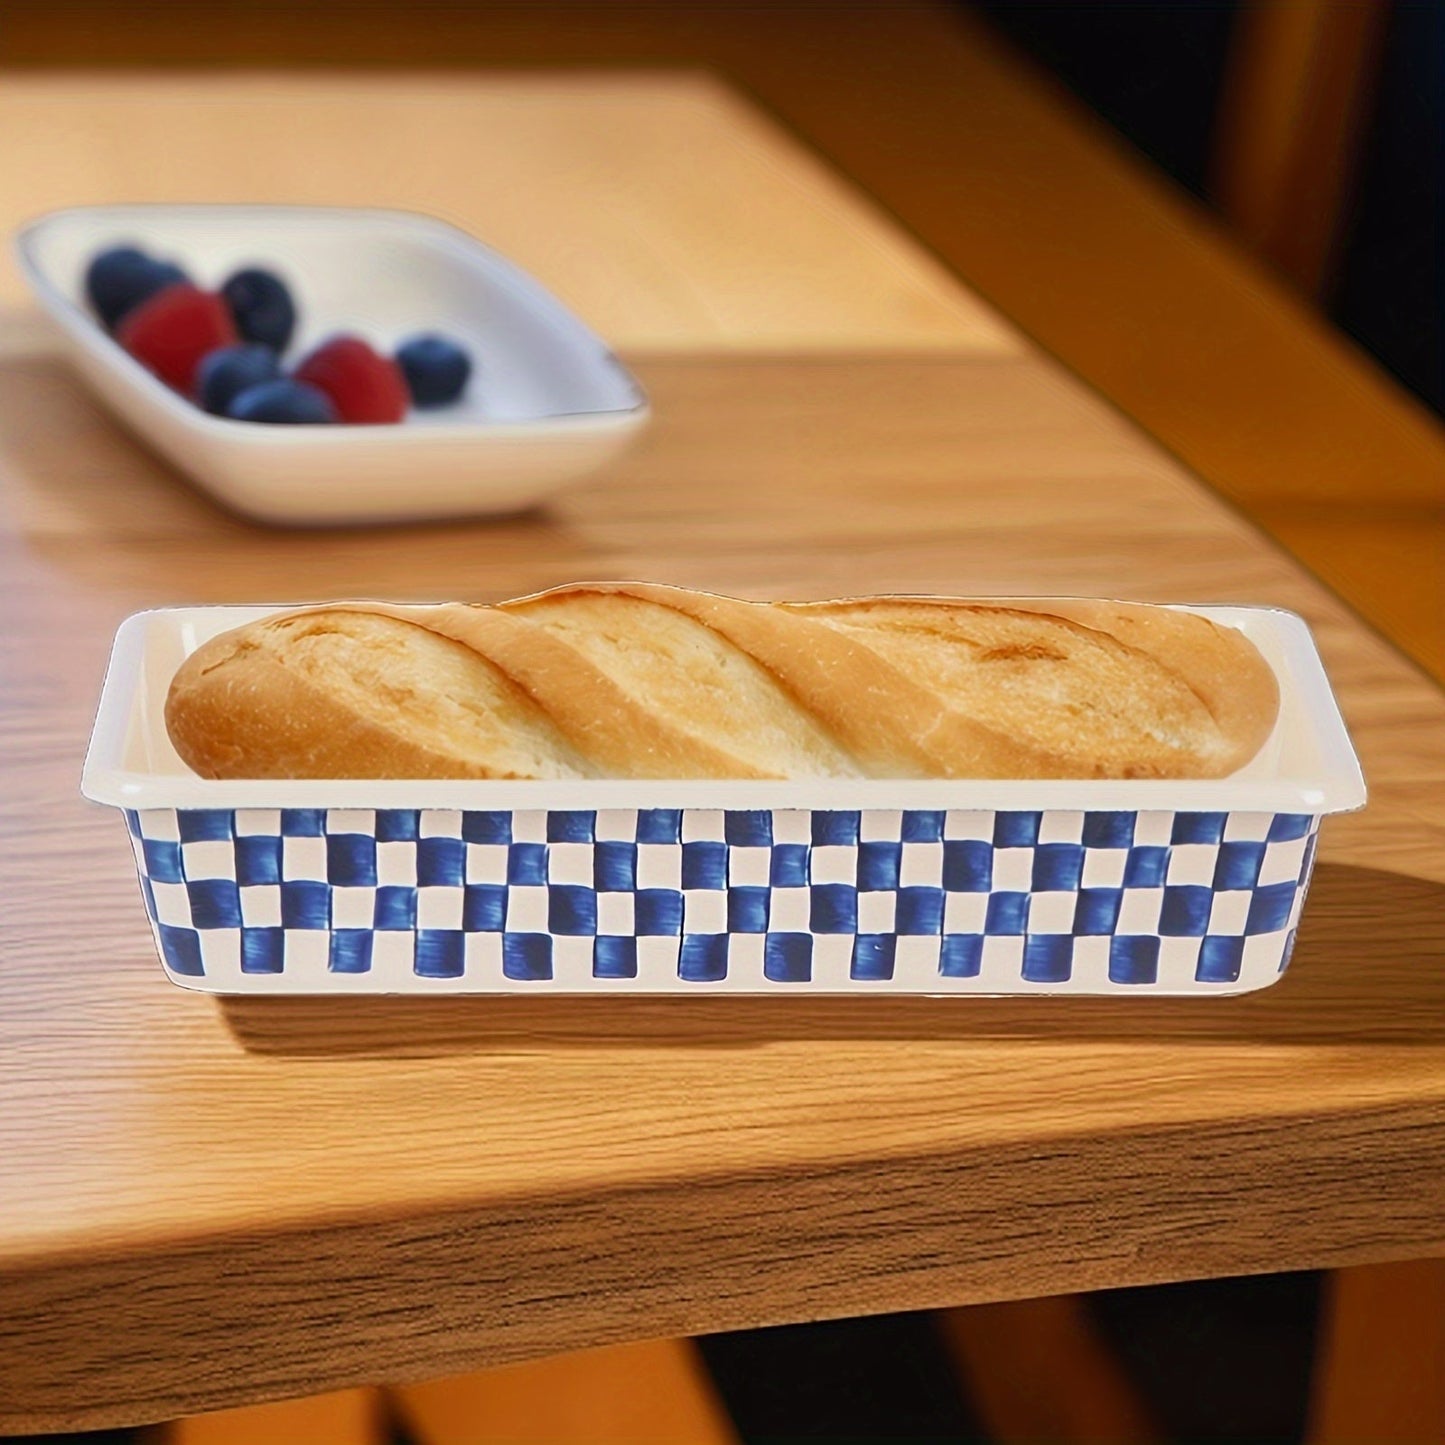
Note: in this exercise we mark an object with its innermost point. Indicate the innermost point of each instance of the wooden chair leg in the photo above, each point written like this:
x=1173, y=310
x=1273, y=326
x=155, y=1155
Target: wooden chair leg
x=1296, y=99
x=1380, y=1362
x=1036, y=1370
x=657, y=1391
x=345, y=1417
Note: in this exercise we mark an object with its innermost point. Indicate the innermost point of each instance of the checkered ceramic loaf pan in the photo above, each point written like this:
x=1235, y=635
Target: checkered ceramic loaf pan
x=866, y=886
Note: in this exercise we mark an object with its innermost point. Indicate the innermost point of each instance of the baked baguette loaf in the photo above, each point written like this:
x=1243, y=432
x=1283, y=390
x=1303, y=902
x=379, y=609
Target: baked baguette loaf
x=636, y=680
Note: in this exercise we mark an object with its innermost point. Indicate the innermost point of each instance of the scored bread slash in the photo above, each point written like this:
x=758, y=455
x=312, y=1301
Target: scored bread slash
x=637, y=680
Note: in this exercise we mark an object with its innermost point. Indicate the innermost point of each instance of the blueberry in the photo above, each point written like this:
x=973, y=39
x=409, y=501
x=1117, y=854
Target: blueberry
x=120, y=278
x=229, y=370
x=282, y=400
x=436, y=369
x=262, y=307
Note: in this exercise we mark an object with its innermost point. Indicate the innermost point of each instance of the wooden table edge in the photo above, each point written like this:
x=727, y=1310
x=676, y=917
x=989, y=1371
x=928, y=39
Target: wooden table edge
x=913, y=1231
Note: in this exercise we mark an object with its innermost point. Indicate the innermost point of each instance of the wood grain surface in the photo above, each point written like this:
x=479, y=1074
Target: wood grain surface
x=206, y=1203
x=666, y=211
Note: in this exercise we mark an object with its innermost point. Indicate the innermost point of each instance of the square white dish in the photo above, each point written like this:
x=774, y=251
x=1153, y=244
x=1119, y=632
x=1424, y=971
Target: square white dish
x=548, y=404
x=1130, y=887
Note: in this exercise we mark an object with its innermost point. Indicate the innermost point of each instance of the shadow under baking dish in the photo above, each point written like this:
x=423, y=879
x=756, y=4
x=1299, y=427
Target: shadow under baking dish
x=1332, y=1000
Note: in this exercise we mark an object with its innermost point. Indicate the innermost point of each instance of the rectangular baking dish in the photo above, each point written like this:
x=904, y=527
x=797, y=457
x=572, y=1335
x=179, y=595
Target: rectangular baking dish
x=838, y=886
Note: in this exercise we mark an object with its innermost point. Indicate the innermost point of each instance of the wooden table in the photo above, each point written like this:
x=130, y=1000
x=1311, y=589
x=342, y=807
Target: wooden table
x=204, y=1204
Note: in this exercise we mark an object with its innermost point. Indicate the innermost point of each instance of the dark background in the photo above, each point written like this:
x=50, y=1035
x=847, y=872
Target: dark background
x=1156, y=72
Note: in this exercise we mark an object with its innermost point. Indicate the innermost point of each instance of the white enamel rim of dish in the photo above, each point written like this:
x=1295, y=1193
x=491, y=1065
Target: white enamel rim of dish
x=1307, y=766
x=87, y=332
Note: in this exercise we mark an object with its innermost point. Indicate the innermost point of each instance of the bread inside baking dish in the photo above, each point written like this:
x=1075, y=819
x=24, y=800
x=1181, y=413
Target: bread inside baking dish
x=641, y=680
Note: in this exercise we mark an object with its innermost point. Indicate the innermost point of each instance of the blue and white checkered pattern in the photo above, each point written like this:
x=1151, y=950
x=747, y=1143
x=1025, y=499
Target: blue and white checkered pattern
x=919, y=901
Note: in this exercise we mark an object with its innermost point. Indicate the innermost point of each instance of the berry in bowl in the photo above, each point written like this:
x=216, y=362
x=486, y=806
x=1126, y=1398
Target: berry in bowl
x=213, y=346
x=310, y=365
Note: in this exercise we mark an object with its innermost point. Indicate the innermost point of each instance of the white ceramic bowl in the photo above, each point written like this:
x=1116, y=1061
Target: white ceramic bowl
x=549, y=403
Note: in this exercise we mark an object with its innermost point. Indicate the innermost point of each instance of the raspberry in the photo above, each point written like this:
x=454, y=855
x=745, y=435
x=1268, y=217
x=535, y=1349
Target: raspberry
x=172, y=331
x=363, y=386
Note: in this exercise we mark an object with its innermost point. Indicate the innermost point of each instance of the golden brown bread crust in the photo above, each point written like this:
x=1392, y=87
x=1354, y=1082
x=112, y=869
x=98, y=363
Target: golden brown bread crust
x=645, y=681
x=344, y=692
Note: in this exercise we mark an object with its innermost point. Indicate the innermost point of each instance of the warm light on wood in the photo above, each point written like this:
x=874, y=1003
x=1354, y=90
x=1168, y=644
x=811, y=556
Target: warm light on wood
x=1388, y=561
x=670, y=214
